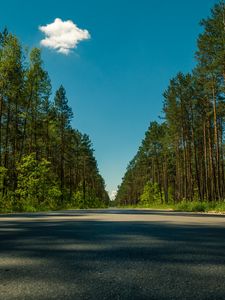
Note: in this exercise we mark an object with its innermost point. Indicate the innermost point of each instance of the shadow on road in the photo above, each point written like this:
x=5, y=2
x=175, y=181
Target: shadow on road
x=93, y=259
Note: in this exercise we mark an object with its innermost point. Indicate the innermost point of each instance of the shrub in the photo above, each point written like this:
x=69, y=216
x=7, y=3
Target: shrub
x=36, y=186
x=151, y=194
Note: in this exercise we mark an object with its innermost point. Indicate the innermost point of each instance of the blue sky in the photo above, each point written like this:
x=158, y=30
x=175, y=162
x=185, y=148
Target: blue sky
x=114, y=80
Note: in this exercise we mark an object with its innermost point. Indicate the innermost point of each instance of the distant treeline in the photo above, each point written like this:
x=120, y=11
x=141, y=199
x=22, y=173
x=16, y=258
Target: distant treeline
x=183, y=158
x=44, y=162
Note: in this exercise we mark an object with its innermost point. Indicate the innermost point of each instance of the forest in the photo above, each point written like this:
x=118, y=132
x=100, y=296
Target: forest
x=44, y=162
x=181, y=159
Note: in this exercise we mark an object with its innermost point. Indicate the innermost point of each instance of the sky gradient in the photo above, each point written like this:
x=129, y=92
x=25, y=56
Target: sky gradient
x=115, y=79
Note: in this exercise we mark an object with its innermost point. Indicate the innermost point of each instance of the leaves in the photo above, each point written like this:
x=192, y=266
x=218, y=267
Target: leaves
x=43, y=160
x=182, y=159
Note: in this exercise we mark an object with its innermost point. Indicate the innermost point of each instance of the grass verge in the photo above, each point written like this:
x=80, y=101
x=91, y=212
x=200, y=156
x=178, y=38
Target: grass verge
x=201, y=206
x=194, y=206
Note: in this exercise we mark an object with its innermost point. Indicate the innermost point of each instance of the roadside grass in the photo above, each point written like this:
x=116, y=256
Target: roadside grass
x=146, y=206
x=201, y=206
x=195, y=206
x=185, y=206
x=7, y=209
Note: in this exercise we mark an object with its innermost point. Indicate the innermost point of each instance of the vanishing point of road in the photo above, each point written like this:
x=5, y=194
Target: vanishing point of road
x=112, y=254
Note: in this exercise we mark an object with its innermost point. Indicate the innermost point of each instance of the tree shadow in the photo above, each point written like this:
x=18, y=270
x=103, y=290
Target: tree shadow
x=95, y=259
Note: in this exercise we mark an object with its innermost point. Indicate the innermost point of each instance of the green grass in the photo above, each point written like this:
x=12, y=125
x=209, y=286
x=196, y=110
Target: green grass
x=152, y=206
x=201, y=206
x=194, y=206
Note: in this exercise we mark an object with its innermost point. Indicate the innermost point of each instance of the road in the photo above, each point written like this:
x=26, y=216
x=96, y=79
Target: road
x=112, y=254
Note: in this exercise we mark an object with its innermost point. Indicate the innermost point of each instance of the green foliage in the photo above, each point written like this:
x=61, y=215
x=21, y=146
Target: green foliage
x=3, y=176
x=197, y=206
x=31, y=123
x=36, y=187
x=151, y=194
x=181, y=160
x=219, y=207
x=6, y=199
x=192, y=206
x=78, y=201
x=89, y=201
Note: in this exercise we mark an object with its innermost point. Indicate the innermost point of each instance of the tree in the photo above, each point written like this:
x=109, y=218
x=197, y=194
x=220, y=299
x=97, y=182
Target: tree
x=184, y=156
x=42, y=158
x=11, y=91
x=64, y=115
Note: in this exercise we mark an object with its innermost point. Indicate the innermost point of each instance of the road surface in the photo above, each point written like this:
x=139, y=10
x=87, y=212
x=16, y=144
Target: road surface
x=112, y=254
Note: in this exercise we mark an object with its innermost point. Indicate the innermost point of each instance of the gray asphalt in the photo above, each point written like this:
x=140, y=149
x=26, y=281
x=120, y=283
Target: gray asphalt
x=112, y=254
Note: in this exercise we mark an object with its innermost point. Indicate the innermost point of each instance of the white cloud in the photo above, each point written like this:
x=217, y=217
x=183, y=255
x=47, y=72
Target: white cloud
x=112, y=195
x=63, y=36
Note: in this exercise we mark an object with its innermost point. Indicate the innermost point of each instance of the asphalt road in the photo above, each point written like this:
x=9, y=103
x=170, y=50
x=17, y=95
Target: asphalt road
x=112, y=254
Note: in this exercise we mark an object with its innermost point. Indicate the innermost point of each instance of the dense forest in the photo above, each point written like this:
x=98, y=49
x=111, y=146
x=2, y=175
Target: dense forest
x=44, y=162
x=182, y=158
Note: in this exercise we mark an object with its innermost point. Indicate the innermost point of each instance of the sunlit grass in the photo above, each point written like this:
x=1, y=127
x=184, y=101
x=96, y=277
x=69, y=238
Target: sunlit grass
x=195, y=206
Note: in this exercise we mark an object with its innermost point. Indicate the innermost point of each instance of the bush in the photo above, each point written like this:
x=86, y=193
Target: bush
x=36, y=187
x=90, y=201
x=193, y=206
x=198, y=206
x=151, y=194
